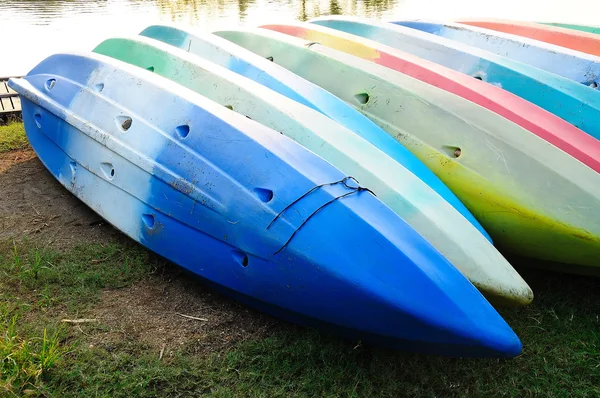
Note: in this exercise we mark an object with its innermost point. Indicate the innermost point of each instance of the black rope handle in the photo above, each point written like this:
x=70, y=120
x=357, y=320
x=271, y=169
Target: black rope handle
x=342, y=181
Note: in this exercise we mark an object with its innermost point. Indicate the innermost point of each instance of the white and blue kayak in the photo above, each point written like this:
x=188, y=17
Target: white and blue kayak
x=574, y=102
x=249, y=210
x=575, y=65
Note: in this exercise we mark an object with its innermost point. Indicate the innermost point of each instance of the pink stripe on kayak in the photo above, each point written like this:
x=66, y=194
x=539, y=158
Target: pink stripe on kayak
x=540, y=122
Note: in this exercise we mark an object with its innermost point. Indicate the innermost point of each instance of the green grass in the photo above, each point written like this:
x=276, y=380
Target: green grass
x=36, y=287
x=12, y=137
x=560, y=332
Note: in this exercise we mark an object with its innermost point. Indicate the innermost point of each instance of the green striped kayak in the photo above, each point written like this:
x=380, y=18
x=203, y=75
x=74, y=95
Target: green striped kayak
x=533, y=199
x=582, y=28
x=413, y=200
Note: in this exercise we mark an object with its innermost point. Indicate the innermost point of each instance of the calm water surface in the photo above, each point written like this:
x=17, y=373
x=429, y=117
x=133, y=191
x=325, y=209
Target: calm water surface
x=33, y=29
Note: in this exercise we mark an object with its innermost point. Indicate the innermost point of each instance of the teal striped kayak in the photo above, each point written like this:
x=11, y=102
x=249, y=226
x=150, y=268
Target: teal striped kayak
x=408, y=196
x=574, y=102
x=533, y=198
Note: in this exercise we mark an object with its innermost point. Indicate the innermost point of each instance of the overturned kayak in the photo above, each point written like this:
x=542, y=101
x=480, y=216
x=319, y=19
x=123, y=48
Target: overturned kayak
x=282, y=81
x=583, y=28
x=575, y=65
x=248, y=209
x=409, y=197
x=533, y=198
x=574, y=102
x=576, y=40
x=544, y=124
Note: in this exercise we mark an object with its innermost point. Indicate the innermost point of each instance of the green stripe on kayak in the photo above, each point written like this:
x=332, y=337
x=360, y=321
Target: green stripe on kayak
x=582, y=28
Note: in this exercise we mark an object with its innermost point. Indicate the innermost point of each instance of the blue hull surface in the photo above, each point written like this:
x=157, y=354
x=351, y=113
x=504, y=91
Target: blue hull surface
x=574, y=102
x=248, y=209
x=580, y=67
x=254, y=67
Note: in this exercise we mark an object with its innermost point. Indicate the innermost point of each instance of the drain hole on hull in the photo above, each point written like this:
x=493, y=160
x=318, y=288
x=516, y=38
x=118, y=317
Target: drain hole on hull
x=148, y=220
x=99, y=87
x=263, y=194
x=230, y=107
x=183, y=131
x=453, y=151
x=124, y=122
x=270, y=59
x=594, y=85
x=108, y=170
x=362, y=98
x=240, y=257
x=150, y=68
x=50, y=84
x=478, y=78
x=38, y=120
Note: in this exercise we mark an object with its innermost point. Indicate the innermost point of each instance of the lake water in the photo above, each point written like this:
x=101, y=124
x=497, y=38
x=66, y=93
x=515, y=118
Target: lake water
x=33, y=29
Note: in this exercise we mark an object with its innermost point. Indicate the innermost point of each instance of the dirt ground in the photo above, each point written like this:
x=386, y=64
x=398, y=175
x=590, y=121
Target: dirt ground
x=36, y=206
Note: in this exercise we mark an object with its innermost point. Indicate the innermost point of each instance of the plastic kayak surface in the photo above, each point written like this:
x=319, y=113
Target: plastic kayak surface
x=574, y=102
x=583, y=28
x=409, y=197
x=576, y=40
x=278, y=79
x=533, y=198
x=575, y=65
x=248, y=209
x=544, y=124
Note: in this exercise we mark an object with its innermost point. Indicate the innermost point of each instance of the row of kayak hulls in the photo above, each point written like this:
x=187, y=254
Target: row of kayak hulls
x=521, y=210
x=253, y=212
x=545, y=212
x=563, y=97
x=529, y=116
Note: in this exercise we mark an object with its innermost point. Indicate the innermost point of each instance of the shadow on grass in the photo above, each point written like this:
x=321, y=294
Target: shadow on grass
x=560, y=333
x=561, y=357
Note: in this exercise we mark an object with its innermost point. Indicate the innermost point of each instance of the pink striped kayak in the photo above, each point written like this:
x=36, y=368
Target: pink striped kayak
x=540, y=122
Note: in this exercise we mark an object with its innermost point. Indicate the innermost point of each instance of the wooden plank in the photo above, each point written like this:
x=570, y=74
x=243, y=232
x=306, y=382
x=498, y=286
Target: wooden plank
x=17, y=103
x=10, y=103
x=6, y=104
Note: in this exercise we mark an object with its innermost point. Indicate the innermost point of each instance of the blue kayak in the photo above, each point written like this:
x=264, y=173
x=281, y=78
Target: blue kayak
x=575, y=65
x=278, y=79
x=248, y=209
x=573, y=102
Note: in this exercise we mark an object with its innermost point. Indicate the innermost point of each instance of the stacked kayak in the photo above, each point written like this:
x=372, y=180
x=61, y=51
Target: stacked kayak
x=477, y=153
x=358, y=176
x=575, y=65
x=546, y=125
x=574, y=102
x=587, y=42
